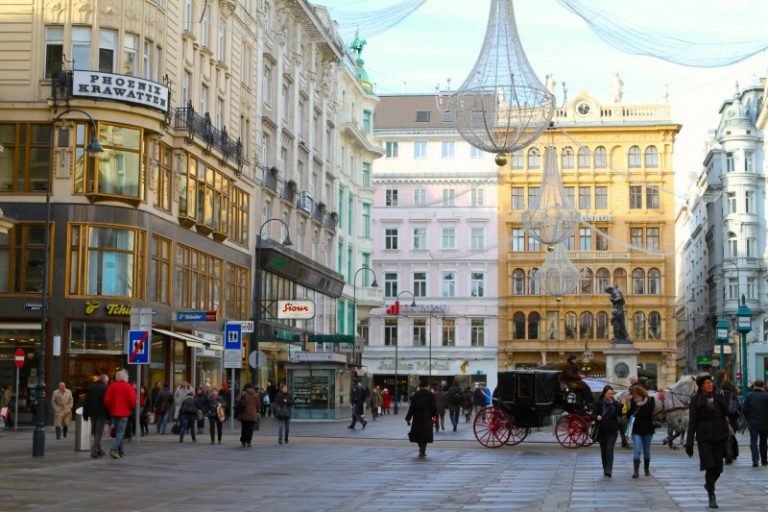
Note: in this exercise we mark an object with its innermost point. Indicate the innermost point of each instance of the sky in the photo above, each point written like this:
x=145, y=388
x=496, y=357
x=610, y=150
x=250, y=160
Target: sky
x=443, y=38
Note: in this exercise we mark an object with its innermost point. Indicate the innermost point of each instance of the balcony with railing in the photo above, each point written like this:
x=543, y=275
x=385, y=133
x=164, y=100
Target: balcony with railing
x=185, y=118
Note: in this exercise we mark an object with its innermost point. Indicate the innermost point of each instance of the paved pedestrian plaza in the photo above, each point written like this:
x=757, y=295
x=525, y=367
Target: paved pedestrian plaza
x=327, y=467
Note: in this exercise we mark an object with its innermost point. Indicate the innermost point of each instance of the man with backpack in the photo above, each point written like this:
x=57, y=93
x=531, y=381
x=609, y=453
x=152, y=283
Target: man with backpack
x=455, y=401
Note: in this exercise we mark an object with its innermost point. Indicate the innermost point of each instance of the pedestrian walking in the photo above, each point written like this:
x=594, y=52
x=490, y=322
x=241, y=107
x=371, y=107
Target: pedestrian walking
x=756, y=412
x=62, y=402
x=163, y=408
x=188, y=417
x=421, y=410
x=179, y=395
x=216, y=414
x=467, y=404
x=641, y=409
x=281, y=410
x=120, y=400
x=146, y=406
x=386, y=401
x=247, y=409
x=376, y=402
x=441, y=399
x=731, y=397
x=708, y=422
x=357, y=401
x=607, y=412
x=478, y=397
x=95, y=411
x=201, y=402
x=454, y=399
x=271, y=394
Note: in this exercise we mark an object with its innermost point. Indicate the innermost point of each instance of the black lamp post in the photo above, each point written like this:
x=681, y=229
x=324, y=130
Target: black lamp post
x=397, y=359
x=38, y=435
x=374, y=284
x=257, y=297
x=744, y=326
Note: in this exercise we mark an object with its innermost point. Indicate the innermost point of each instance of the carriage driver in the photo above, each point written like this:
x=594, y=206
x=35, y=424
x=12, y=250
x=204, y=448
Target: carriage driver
x=575, y=380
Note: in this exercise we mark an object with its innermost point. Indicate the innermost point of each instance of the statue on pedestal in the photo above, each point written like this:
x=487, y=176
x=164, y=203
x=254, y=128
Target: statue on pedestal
x=620, y=334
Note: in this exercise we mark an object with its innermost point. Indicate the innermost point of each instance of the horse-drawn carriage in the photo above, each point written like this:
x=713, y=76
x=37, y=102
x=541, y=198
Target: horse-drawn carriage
x=526, y=399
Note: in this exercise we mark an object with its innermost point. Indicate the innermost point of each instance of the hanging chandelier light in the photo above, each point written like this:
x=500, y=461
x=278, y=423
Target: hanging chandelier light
x=551, y=217
x=558, y=276
x=502, y=106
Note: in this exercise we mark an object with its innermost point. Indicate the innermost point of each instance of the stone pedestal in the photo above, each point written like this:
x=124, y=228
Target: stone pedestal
x=621, y=364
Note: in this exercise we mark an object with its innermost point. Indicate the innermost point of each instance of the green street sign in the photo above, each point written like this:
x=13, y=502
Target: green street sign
x=704, y=361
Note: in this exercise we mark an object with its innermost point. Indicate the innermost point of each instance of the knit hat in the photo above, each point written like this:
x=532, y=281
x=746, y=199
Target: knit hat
x=701, y=378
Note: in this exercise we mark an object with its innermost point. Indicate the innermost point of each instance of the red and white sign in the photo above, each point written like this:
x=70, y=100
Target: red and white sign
x=19, y=358
x=296, y=309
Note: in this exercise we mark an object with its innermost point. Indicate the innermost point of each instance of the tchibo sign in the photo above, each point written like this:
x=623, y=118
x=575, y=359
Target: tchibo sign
x=128, y=89
x=296, y=309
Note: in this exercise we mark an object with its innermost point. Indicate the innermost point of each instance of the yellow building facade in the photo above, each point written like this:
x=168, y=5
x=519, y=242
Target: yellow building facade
x=616, y=166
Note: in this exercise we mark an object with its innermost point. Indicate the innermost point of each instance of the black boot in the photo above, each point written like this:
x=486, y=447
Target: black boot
x=647, y=467
x=64, y=430
x=58, y=432
x=712, y=501
x=636, y=463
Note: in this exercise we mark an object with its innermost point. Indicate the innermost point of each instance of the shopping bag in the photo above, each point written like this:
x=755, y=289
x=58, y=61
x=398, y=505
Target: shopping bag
x=630, y=426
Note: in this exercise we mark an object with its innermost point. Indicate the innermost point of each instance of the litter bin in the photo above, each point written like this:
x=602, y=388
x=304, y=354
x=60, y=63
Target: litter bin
x=82, y=432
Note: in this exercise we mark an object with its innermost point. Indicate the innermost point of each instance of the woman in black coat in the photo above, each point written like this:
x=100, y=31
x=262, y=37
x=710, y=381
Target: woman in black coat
x=420, y=413
x=641, y=407
x=708, y=420
x=607, y=412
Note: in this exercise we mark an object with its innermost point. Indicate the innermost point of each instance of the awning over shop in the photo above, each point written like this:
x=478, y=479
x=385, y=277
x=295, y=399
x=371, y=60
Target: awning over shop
x=191, y=341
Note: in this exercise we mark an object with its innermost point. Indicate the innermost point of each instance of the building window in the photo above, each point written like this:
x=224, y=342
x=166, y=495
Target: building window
x=518, y=282
x=477, y=284
x=237, y=291
x=420, y=197
x=422, y=116
x=654, y=282
x=585, y=198
x=81, y=48
x=569, y=195
x=448, y=116
x=534, y=236
x=266, y=86
x=553, y=325
x=603, y=277
x=477, y=332
x=751, y=247
x=733, y=245
x=570, y=325
x=638, y=325
x=449, y=332
x=204, y=98
x=448, y=149
x=751, y=288
x=449, y=197
x=106, y=261
x=633, y=158
x=601, y=158
x=392, y=149
x=620, y=278
x=147, y=60
x=246, y=66
x=198, y=279
x=107, y=49
x=731, y=202
x=163, y=179
x=419, y=284
x=733, y=289
x=448, y=239
x=366, y=212
x=586, y=326
x=517, y=160
x=585, y=239
x=584, y=157
x=390, y=197
x=567, y=157
x=477, y=239
x=130, y=58
x=601, y=325
x=749, y=202
x=601, y=242
x=534, y=158
x=390, y=239
x=748, y=162
x=638, y=281
x=533, y=281
x=518, y=326
x=517, y=240
x=22, y=259
x=652, y=196
x=518, y=201
x=390, y=332
x=651, y=156
x=420, y=149
x=635, y=197
x=419, y=239
x=25, y=162
x=477, y=196
x=654, y=325
x=188, y=15
x=475, y=153
x=448, y=284
x=54, y=50
x=533, y=193
x=601, y=198
x=729, y=162
x=586, y=281
x=419, y=332
x=652, y=239
x=365, y=174
x=390, y=284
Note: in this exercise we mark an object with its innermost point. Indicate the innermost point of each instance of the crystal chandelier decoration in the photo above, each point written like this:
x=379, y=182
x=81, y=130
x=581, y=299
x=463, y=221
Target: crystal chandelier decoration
x=558, y=276
x=502, y=106
x=551, y=217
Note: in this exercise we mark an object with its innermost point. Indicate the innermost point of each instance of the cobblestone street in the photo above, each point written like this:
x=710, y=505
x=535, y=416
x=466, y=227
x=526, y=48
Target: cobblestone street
x=327, y=467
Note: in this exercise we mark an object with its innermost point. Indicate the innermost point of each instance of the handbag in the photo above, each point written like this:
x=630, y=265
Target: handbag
x=594, y=431
x=151, y=418
x=175, y=429
x=220, y=413
x=200, y=415
x=630, y=426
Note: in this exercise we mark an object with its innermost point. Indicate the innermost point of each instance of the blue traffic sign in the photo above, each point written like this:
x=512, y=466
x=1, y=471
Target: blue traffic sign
x=138, y=347
x=233, y=335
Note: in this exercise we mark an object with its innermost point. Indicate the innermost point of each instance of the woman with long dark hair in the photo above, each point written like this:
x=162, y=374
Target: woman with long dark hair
x=641, y=408
x=607, y=412
x=708, y=421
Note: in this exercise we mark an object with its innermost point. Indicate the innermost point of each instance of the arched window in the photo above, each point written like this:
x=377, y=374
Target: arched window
x=586, y=281
x=533, y=282
x=570, y=325
x=601, y=158
x=603, y=279
x=620, y=279
x=654, y=282
x=567, y=157
x=602, y=326
x=516, y=160
x=584, y=157
x=638, y=325
x=533, y=326
x=518, y=282
x=534, y=158
x=651, y=156
x=638, y=281
x=586, y=326
x=633, y=158
x=654, y=325
x=518, y=326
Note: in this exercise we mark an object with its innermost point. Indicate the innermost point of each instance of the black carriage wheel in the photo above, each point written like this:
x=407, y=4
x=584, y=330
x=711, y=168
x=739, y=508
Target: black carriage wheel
x=517, y=434
x=571, y=431
x=492, y=427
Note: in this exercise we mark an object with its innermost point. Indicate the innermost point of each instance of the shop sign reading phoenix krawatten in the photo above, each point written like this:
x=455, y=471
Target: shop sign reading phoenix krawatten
x=127, y=89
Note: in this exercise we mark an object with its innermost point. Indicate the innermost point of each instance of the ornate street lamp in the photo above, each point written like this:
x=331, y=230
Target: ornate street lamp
x=744, y=326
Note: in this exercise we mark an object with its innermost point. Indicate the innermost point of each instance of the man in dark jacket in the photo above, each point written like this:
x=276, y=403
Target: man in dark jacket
x=756, y=412
x=357, y=400
x=455, y=400
x=163, y=407
x=95, y=411
x=422, y=409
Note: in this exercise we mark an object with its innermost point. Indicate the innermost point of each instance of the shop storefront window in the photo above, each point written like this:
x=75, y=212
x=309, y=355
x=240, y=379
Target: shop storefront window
x=25, y=162
x=97, y=337
x=22, y=258
x=179, y=363
x=313, y=393
x=157, y=359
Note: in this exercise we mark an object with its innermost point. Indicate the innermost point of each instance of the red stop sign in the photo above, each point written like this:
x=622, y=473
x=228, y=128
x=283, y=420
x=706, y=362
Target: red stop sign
x=19, y=358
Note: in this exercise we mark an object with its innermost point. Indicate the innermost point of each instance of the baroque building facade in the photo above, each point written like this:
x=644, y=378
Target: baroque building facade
x=615, y=162
x=213, y=118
